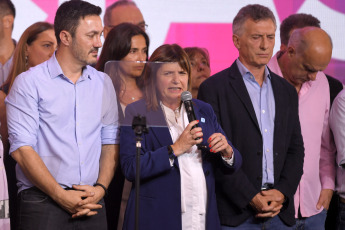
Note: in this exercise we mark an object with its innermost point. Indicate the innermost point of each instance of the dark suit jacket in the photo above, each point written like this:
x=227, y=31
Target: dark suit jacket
x=228, y=95
x=335, y=86
x=160, y=191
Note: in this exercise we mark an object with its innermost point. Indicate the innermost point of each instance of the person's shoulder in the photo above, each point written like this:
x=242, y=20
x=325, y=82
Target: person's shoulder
x=333, y=80
x=94, y=72
x=34, y=73
x=202, y=105
x=282, y=82
x=134, y=109
x=139, y=105
x=341, y=95
x=99, y=76
x=219, y=78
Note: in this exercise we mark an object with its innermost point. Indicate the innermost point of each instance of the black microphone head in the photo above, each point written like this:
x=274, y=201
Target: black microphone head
x=186, y=96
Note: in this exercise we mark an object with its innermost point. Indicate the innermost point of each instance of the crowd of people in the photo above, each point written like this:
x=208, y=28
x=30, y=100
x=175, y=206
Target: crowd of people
x=263, y=148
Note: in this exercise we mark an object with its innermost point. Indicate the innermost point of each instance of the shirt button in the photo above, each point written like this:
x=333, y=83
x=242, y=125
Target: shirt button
x=265, y=130
x=267, y=150
x=263, y=111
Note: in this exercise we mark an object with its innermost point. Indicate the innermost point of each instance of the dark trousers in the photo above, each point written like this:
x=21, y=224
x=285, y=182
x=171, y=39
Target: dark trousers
x=37, y=211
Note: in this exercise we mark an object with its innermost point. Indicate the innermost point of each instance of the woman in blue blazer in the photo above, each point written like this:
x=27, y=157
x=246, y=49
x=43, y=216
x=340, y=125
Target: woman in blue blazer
x=177, y=181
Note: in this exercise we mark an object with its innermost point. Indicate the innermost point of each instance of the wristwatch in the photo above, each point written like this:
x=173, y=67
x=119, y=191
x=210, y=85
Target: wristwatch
x=171, y=153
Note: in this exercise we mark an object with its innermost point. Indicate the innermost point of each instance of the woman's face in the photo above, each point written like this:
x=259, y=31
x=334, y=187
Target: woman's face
x=133, y=64
x=42, y=48
x=200, y=70
x=172, y=80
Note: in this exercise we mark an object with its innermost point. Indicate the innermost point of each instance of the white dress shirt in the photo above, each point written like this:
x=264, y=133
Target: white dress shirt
x=193, y=183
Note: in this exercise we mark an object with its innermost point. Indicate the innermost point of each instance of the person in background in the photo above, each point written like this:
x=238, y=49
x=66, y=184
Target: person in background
x=308, y=53
x=129, y=44
x=177, y=178
x=63, y=129
x=258, y=111
x=200, y=63
x=122, y=11
x=301, y=20
x=287, y=26
x=36, y=45
x=7, y=44
x=337, y=124
x=4, y=198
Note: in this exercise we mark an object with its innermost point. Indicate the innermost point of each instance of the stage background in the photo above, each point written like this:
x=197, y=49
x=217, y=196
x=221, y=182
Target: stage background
x=206, y=23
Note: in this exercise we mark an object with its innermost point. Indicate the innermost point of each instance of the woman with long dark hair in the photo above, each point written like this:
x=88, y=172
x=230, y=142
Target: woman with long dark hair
x=123, y=57
x=129, y=44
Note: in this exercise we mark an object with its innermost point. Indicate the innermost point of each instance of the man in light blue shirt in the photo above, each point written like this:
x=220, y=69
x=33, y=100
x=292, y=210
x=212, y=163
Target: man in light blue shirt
x=258, y=111
x=63, y=128
x=262, y=98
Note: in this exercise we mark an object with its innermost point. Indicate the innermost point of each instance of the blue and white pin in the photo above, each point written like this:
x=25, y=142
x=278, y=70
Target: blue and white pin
x=202, y=120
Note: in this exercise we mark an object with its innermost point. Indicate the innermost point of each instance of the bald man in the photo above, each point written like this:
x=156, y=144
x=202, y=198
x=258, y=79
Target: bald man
x=120, y=12
x=308, y=53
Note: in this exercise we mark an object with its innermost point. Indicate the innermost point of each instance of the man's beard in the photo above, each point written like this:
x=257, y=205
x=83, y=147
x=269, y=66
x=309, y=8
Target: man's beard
x=80, y=55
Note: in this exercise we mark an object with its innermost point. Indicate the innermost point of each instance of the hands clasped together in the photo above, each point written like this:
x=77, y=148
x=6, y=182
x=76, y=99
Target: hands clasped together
x=83, y=201
x=268, y=203
x=217, y=141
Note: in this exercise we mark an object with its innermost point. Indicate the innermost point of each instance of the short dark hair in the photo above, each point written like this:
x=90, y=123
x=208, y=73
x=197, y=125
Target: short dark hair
x=6, y=8
x=255, y=12
x=69, y=13
x=296, y=21
x=107, y=14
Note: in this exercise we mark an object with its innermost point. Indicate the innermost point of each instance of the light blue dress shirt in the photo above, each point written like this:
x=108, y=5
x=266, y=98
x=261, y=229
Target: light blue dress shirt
x=65, y=123
x=264, y=105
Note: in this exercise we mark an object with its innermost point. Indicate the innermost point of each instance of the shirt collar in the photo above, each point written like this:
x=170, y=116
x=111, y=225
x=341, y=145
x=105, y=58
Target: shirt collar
x=247, y=74
x=56, y=71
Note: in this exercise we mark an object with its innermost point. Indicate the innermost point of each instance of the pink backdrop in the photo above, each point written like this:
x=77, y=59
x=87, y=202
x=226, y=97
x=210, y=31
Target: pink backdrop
x=207, y=23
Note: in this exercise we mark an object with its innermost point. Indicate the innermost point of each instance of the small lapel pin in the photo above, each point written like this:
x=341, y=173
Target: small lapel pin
x=202, y=120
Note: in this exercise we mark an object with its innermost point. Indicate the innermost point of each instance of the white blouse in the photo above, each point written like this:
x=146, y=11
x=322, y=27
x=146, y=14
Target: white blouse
x=193, y=183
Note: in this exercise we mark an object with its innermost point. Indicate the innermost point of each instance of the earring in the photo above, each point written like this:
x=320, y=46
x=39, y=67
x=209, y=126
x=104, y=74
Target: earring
x=26, y=61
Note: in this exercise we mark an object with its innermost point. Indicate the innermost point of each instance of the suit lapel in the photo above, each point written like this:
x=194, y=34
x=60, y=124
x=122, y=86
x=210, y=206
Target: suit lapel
x=159, y=127
x=237, y=83
x=279, y=103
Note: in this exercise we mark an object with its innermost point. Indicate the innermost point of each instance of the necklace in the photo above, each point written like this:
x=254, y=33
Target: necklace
x=133, y=98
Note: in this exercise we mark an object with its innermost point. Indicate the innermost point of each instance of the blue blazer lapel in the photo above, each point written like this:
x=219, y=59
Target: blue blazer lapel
x=158, y=126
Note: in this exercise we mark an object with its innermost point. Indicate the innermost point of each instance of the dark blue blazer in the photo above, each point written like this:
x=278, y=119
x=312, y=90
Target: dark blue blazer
x=160, y=190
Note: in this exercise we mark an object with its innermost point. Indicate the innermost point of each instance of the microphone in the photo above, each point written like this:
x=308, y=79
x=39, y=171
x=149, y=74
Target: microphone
x=186, y=98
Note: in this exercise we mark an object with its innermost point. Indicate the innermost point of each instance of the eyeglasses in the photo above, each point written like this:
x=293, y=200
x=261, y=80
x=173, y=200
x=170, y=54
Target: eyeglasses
x=142, y=26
